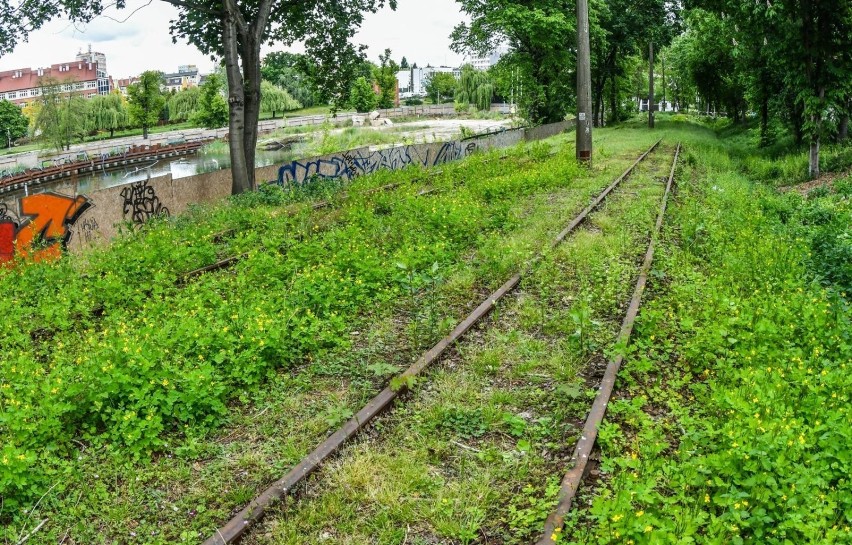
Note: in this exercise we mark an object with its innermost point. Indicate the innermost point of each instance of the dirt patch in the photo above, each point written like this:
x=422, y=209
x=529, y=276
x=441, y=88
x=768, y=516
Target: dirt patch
x=825, y=180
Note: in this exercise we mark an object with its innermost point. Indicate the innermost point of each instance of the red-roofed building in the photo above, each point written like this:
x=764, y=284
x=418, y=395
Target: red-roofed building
x=123, y=83
x=86, y=75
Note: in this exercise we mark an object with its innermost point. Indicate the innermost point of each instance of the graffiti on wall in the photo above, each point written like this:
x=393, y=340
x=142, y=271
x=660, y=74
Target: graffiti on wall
x=141, y=203
x=351, y=164
x=44, y=227
x=89, y=230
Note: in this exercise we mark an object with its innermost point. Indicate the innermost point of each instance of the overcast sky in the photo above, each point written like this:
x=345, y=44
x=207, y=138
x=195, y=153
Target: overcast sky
x=418, y=29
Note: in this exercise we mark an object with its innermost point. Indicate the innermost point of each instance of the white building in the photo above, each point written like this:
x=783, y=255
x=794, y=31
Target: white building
x=412, y=82
x=186, y=77
x=405, y=79
x=486, y=62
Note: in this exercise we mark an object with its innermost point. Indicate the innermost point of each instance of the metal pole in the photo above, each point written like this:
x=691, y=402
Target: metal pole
x=584, y=84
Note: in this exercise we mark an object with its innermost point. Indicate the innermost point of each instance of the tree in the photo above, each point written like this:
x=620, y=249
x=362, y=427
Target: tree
x=107, y=113
x=183, y=104
x=403, y=64
x=789, y=58
x=146, y=100
x=619, y=32
x=385, y=76
x=61, y=115
x=362, y=97
x=474, y=87
x=440, y=85
x=539, y=35
x=235, y=30
x=290, y=71
x=274, y=99
x=212, y=110
x=13, y=123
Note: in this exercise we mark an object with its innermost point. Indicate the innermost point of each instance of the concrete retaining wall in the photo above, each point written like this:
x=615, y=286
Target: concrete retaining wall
x=78, y=227
x=546, y=131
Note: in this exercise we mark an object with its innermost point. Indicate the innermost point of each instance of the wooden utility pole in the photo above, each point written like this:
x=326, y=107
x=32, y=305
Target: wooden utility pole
x=584, y=84
x=651, y=85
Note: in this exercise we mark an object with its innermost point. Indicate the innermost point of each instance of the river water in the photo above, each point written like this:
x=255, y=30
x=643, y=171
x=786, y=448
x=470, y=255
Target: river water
x=182, y=167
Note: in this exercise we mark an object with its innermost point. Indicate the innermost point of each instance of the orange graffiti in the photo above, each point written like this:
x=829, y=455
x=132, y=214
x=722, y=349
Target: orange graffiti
x=7, y=240
x=47, y=228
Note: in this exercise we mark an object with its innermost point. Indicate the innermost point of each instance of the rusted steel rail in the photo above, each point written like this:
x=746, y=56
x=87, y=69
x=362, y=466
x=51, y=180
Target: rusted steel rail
x=579, y=460
x=237, y=527
x=218, y=266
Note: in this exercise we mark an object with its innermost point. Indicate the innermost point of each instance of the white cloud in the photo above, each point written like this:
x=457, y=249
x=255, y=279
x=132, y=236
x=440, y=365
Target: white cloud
x=418, y=30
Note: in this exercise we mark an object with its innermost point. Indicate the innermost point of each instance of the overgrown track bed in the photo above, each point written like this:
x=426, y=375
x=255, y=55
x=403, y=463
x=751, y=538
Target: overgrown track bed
x=135, y=364
x=582, y=452
x=241, y=523
x=731, y=418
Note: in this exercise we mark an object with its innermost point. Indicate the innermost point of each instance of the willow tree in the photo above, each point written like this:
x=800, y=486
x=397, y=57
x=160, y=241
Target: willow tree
x=62, y=115
x=108, y=113
x=275, y=99
x=234, y=30
x=183, y=104
x=475, y=88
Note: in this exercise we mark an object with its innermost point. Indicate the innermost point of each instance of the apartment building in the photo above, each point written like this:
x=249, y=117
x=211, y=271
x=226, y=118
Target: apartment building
x=86, y=75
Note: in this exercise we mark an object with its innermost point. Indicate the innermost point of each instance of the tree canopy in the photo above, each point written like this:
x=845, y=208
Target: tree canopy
x=107, y=113
x=13, y=123
x=474, y=88
x=361, y=96
x=440, y=85
x=211, y=111
x=61, y=115
x=538, y=34
x=146, y=100
x=291, y=72
x=274, y=100
x=385, y=76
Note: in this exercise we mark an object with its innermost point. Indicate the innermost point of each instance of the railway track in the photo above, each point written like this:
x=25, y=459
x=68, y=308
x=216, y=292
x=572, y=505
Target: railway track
x=241, y=524
x=574, y=477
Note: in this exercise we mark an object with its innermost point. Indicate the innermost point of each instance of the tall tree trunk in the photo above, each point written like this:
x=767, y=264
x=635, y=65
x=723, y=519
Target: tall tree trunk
x=663, y=66
x=816, y=122
x=651, y=85
x=843, y=130
x=813, y=157
x=613, y=101
x=764, y=121
x=251, y=71
x=240, y=181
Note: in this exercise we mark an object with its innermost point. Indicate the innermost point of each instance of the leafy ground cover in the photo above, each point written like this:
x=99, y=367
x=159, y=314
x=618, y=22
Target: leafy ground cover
x=119, y=380
x=112, y=349
x=733, y=424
